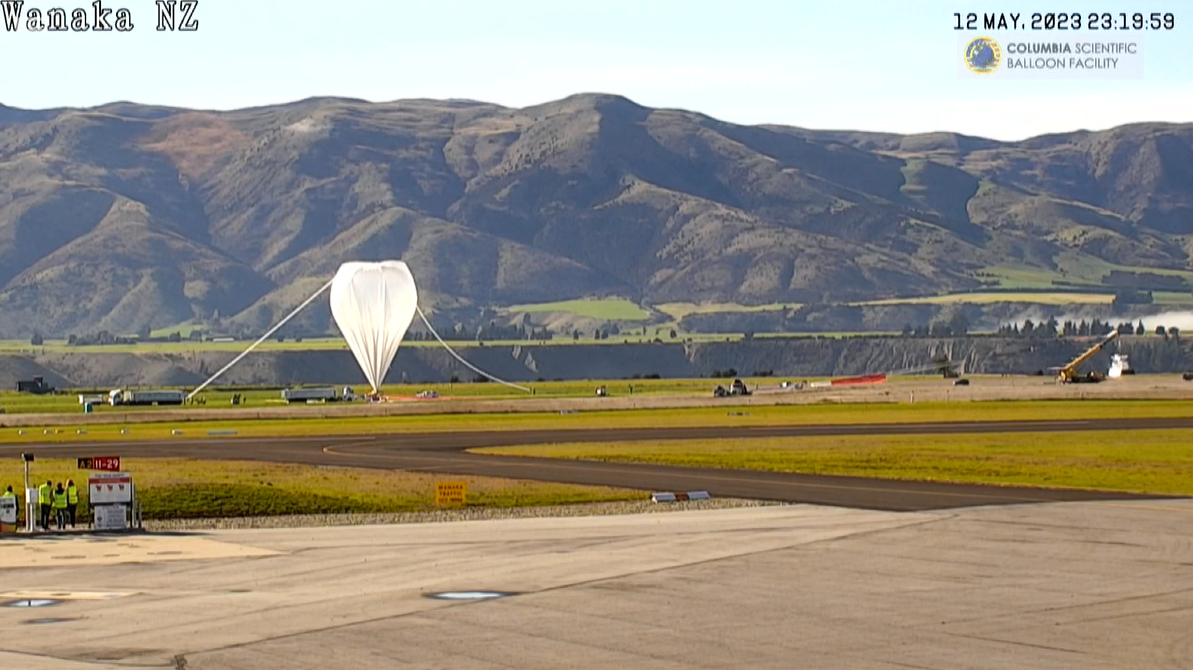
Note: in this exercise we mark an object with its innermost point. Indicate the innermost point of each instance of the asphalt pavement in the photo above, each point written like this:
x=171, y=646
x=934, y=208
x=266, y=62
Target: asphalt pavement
x=447, y=453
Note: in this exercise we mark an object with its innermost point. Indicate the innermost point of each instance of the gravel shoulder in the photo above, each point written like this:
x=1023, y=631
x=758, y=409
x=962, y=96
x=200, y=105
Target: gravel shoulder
x=448, y=515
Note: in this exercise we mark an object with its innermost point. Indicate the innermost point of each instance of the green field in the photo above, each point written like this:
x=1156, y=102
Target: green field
x=254, y=398
x=678, y=310
x=620, y=309
x=183, y=329
x=180, y=488
x=1149, y=461
x=615, y=309
x=1171, y=298
x=1057, y=298
x=308, y=344
x=795, y=415
x=834, y=335
x=338, y=344
x=1074, y=267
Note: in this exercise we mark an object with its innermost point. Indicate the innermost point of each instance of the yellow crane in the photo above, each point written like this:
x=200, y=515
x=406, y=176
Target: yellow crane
x=1068, y=374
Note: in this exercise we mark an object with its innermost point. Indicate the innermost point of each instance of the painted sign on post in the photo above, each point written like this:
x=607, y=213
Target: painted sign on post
x=107, y=488
x=111, y=517
x=106, y=463
x=450, y=493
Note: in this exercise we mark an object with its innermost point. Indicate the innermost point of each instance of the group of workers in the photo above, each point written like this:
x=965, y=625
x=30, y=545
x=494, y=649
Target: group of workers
x=62, y=501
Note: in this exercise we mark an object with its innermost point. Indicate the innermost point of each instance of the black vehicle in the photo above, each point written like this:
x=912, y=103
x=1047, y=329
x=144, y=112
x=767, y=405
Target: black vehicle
x=737, y=388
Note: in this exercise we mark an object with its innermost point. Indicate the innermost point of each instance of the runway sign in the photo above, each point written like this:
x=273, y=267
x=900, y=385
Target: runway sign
x=108, y=463
x=450, y=493
x=110, y=517
x=110, y=487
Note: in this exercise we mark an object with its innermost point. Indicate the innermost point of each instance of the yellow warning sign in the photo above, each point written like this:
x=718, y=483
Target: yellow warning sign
x=450, y=493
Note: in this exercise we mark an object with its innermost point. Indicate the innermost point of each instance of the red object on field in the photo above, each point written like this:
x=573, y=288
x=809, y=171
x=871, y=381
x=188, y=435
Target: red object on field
x=864, y=379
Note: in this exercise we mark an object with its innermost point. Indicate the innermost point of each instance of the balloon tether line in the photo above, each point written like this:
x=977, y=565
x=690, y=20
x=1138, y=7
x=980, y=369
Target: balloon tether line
x=303, y=306
x=460, y=358
x=261, y=339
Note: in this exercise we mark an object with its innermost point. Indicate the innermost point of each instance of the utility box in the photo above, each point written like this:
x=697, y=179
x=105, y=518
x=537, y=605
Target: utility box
x=36, y=386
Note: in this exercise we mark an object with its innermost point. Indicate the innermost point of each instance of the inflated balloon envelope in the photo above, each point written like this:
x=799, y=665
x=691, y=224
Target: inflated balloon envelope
x=373, y=305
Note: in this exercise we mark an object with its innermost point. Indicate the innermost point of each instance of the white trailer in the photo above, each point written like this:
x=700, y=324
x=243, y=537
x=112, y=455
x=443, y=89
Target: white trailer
x=1119, y=366
x=119, y=397
x=306, y=395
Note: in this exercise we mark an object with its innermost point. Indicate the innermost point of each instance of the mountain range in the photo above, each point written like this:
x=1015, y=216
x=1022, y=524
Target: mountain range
x=128, y=216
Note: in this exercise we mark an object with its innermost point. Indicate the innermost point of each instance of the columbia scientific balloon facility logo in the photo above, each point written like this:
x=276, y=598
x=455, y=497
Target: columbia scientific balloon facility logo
x=982, y=55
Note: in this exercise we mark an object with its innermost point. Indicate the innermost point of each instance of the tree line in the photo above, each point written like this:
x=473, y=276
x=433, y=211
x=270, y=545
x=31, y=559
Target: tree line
x=958, y=326
x=1083, y=328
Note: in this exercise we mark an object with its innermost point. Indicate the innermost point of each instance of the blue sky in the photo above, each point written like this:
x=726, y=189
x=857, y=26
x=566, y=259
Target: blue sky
x=867, y=65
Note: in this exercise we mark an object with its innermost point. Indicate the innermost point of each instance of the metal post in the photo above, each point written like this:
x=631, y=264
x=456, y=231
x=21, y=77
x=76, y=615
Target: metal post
x=30, y=522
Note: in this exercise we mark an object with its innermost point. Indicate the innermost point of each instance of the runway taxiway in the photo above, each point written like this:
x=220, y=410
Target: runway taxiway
x=447, y=453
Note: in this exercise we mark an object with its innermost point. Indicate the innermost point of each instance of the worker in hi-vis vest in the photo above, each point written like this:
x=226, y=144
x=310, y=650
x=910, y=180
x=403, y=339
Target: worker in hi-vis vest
x=72, y=500
x=44, y=498
x=60, y=506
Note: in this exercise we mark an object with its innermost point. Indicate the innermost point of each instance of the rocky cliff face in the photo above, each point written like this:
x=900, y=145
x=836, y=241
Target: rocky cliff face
x=788, y=357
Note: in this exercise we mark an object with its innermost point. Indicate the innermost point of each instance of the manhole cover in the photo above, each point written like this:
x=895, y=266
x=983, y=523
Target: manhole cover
x=469, y=595
x=34, y=602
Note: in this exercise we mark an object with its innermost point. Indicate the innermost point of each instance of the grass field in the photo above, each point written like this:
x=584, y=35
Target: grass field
x=1012, y=277
x=1153, y=461
x=635, y=336
x=1072, y=267
x=615, y=309
x=308, y=344
x=626, y=310
x=24, y=403
x=180, y=488
x=338, y=344
x=183, y=329
x=835, y=335
x=1057, y=298
x=678, y=310
x=1172, y=298
x=809, y=415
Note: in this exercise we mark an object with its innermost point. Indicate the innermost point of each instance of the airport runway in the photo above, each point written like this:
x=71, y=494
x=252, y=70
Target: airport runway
x=446, y=453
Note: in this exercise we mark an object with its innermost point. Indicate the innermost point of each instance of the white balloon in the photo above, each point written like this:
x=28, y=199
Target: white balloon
x=373, y=304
